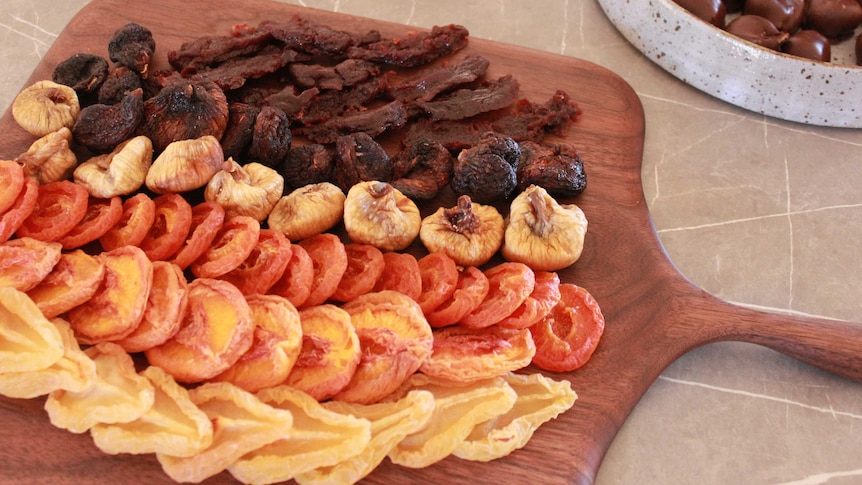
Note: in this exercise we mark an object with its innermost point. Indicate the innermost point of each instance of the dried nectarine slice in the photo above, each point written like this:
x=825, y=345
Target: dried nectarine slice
x=568, y=336
x=139, y=212
x=439, y=278
x=329, y=258
x=264, y=266
x=28, y=341
x=275, y=347
x=394, y=338
x=119, y=394
x=232, y=245
x=400, y=273
x=169, y=229
x=101, y=215
x=74, y=279
x=464, y=355
x=241, y=424
x=60, y=207
x=330, y=352
x=319, y=437
x=22, y=207
x=207, y=219
x=509, y=285
x=164, y=312
x=24, y=262
x=119, y=303
x=74, y=371
x=173, y=425
x=540, y=399
x=296, y=279
x=12, y=181
x=471, y=290
x=364, y=265
x=538, y=305
x=216, y=330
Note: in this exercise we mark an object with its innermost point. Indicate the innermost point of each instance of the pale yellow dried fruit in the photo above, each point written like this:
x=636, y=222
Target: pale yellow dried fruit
x=28, y=340
x=307, y=211
x=542, y=233
x=120, y=172
x=378, y=214
x=46, y=106
x=241, y=424
x=119, y=394
x=50, y=158
x=318, y=438
x=540, y=399
x=458, y=409
x=75, y=371
x=172, y=426
x=185, y=165
x=391, y=422
x=250, y=190
x=463, y=354
x=469, y=233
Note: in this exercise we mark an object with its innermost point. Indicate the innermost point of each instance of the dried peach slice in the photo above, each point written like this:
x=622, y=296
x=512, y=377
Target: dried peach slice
x=391, y=422
x=394, y=338
x=330, y=352
x=12, y=181
x=73, y=280
x=169, y=229
x=509, y=285
x=25, y=203
x=540, y=399
x=467, y=355
x=364, y=265
x=118, y=305
x=28, y=341
x=319, y=437
x=439, y=278
x=139, y=212
x=233, y=243
x=25, y=261
x=173, y=425
x=119, y=395
x=101, y=216
x=295, y=281
x=60, y=207
x=400, y=273
x=329, y=258
x=241, y=424
x=471, y=290
x=457, y=411
x=545, y=296
x=275, y=348
x=216, y=330
x=74, y=371
x=207, y=219
x=164, y=312
x=568, y=336
x=264, y=266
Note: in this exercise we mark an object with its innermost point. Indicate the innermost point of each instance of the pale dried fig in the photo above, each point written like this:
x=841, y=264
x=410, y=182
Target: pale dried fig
x=308, y=211
x=468, y=233
x=185, y=165
x=45, y=107
x=120, y=172
x=50, y=158
x=378, y=214
x=249, y=190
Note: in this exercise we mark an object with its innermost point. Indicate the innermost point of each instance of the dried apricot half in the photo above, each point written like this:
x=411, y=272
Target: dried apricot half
x=439, y=278
x=466, y=355
x=169, y=229
x=139, y=212
x=24, y=262
x=471, y=290
x=232, y=245
x=509, y=285
x=73, y=280
x=545, y=296
x=12, y=181
x=400, y=273
x=101, y=215
x=364, y=265
x=295, y=281
x=329, y=259
x=207, y=219
x=25, y=203
x=59, y=208
x=568, y=336
x=264, y=266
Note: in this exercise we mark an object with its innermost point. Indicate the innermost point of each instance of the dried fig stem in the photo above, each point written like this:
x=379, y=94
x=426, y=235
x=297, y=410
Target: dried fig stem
x=462, y=218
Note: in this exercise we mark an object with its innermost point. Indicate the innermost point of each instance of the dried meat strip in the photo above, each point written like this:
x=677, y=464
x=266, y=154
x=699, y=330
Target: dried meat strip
x=465, y=103
x=372, y=121
x=233, y=73
x=288, y=101
x=415, y=49
x=306, y=35
x=435, y=81
x=211, y=50
x=330, y=104
x=347, y=73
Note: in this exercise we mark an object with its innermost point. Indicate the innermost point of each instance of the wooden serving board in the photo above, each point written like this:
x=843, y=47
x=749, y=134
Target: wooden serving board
x=653, y=314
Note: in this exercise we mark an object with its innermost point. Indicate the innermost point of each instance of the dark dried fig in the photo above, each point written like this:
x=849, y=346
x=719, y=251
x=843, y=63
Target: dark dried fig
x=422, y=170
x=271, y=138
x=183, y=111
x=132, y=46
x=240, y=129
x=307, y=164
x=120, y=81
x=358, y=158
x=558, y=169
x=101, y=127
x=83, y=72
x=486, y=177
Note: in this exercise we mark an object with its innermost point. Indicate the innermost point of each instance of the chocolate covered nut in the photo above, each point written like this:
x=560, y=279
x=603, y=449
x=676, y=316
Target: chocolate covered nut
x=809, y=44
x=758, y=30
x=786, y=15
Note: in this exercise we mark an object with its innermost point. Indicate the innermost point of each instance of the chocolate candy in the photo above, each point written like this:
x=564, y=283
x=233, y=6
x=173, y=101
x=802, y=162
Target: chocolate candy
x=836, y=19
x=786, y=15
x=712, y=11
x=758, y=30
x=809, y=44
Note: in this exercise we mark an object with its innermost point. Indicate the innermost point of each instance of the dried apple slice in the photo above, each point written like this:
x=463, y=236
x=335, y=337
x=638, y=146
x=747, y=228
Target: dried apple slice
x=330, y=352
x=319, y=437
x=276, y=345
x=25, y=261
x=466, y=355
x=75, y=371
x=73, y=280
x=28, y=341
x=391, y=422
x=164, y=312
x=458, y=409
x=118, y=305
x=216, y=330
x=173, y=425
x=241, y=424
x=394, y=338
x=119, y=395
x=540, y=399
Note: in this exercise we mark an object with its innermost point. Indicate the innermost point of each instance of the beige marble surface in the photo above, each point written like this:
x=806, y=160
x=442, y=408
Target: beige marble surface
x=760, y=212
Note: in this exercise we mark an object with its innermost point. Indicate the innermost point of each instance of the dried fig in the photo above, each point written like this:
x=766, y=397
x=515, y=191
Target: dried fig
x=183, y=111
x=378, y=214
x=271, y=138
x=558, y=169
x=185, y=165
x=359, y=158
x=486, y=171
x=50, y=158
x=240, y=128
x=468, y=233
x=101, y=127
x=249, y=190
x=45, y=107
x=120, y=81
x=307, y=164
x=120, y=172
x=83, y=72
x=132, y=46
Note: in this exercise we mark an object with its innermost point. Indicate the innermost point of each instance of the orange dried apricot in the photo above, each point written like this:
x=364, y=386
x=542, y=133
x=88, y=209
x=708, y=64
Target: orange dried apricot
x=139, y=212
x=264, y=266
x=169, y=228
x=207, y=219
x=296, y=279
x=25, y=203
x=364, y=265
x=471, y=290
x=509, y=285
x=400, y=273
x=59, y=208
x=439, y=278
x=329, y=259
x=101, y=215
x=545, y=295
x=568, y=336
x=467, y=355
x=12, y=181
x=25, y=262
x=232, y=245
x=73, y=280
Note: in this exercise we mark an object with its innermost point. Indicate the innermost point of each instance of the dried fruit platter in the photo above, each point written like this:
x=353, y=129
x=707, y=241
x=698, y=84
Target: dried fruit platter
x=653, y=314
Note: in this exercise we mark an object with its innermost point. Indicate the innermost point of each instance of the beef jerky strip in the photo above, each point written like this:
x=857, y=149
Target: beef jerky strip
x=306, y=35
x=437, y=80
x=288, y=101
x=465, y=103
x=347, y=73
x=372, y=121
x=233, y=73
x=415, y=49
x=211, y=50
x=330, y=104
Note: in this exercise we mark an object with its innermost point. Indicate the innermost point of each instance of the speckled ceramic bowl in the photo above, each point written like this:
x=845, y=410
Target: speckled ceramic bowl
x=737, y=71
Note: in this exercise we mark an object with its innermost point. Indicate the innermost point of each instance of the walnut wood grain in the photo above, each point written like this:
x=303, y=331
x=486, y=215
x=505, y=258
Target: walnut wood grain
x=653, y=314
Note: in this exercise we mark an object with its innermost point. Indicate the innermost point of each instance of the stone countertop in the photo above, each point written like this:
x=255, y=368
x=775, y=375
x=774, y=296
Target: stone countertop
x=757, y=211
